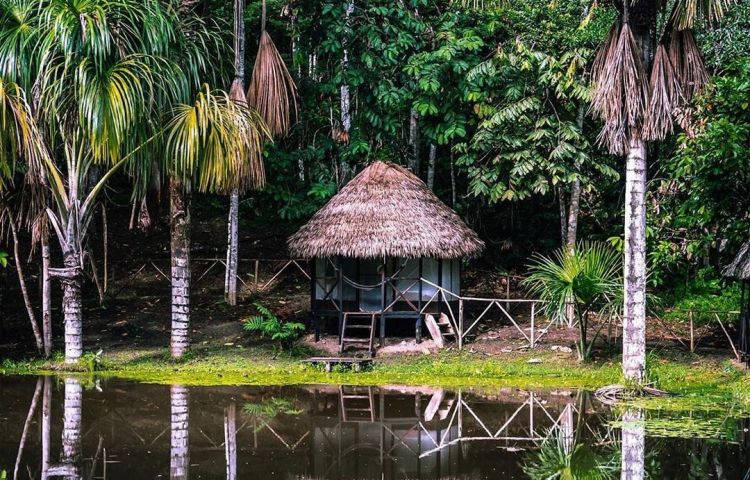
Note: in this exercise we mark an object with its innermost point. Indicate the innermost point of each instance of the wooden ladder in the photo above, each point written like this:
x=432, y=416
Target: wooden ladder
x=446, y=327
x=357, y=405
x=348, y=326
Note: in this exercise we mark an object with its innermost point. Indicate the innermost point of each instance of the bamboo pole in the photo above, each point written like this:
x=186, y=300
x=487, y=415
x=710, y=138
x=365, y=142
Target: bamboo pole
x=692, y=333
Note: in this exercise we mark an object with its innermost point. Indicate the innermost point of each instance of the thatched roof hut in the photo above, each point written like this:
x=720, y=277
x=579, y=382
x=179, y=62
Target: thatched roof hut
x=740, y=266
x=385, y=211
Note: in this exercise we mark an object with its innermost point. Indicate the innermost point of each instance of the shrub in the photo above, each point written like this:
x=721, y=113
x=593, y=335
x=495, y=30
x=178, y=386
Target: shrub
x=267, y=325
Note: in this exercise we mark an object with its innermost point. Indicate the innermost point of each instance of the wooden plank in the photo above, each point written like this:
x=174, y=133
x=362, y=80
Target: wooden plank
x=434, y=329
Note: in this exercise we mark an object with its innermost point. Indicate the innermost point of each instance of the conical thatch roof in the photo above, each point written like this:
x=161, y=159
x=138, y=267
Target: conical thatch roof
x=740, y=266
x=385, y=211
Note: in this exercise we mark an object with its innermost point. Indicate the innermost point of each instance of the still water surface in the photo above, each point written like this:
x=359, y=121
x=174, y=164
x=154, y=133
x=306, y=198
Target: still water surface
x=64, y=428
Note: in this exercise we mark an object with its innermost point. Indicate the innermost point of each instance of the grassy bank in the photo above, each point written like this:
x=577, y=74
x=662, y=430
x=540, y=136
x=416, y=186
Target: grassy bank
x=687, y=375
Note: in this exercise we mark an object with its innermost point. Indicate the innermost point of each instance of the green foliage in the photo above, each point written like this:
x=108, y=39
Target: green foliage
x=589, y=277
x=703, y=294
x=556, y=460
x=267, y=325
x=702, y=196
x=3, y=258
x=270, y=409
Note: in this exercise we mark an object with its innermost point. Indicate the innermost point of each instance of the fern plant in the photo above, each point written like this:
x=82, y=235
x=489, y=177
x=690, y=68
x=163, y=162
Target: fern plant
x=267, y=325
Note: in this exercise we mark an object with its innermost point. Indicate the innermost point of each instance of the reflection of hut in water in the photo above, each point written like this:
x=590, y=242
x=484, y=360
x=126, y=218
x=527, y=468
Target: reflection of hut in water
x=739, y=270
x=381, y=249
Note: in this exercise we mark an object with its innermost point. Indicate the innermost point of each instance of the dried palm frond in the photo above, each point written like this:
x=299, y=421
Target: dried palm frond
x=688, y=63
x=687, y=11
x=665, y=97
x=620, y=91
x=272, y=90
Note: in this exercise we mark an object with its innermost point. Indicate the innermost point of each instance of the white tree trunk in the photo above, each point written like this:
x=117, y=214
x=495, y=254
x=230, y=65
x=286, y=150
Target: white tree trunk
x=46, y=425
x=573, y=210
x=72, y=306
x=180, y=243
x=230, y=440
x=432, y=158
x=46, y=297
x=633, y=446
x=634, y=315
x=230, y=280
x=71, y=434
x=179, y=456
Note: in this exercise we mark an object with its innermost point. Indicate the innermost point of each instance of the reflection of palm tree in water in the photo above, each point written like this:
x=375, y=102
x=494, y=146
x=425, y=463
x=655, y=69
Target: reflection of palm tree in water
x=179, y=461
x=633, y=445
x=71, y=434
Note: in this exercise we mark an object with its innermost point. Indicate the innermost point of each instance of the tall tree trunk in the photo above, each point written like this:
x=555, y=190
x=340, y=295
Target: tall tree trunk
x=414, y=141
x=22, y=282
x=563, y=214
x=180, y=243
x=230, y=279
x=71, y=433
x=633, y=446
x=72, y=304
x=46, y=296
x=453, y=183
x=346, y=118
x=230, y=440
x=46, y=425
x=432, y=159
x=634, y=315
x=179, y=455
x=573, y=210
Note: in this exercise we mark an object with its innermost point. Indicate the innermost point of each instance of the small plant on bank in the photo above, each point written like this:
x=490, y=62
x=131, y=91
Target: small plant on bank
x=268, y=325
x=589, y=276
x=3, y=258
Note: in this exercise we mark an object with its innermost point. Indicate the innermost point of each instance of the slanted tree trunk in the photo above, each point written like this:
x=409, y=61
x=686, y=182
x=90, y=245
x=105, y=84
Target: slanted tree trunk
x=180, y=243
x=230, y=440
x=634, y=314
x=633, y=446
x=179, y=455
x=71, y=434
x=414, y=141
x=230, y=279
x=46, y=296
x=26, y=425
x=22, y=282
x=432, y=159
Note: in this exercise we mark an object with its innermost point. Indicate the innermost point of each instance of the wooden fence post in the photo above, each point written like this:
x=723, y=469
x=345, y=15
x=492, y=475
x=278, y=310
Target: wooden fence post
x=533, y=312
x=460, y=323
x=692, y=334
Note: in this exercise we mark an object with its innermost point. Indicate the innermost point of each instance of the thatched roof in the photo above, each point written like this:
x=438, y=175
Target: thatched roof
x=385, y=211
x=740, y=266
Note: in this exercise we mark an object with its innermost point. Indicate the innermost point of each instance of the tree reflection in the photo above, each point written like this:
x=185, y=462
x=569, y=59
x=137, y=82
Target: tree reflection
x=179, y=462
x=633, y=445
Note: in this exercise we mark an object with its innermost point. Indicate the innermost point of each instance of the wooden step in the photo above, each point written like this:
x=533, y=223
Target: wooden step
x=356, y=340
x=360, y=327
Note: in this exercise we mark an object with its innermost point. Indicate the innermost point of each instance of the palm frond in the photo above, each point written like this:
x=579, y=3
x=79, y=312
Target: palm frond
x=688, y=63
x=272, y=90
x=686, y=12
x=666, y=96
x=621, y=92
x=217, y=142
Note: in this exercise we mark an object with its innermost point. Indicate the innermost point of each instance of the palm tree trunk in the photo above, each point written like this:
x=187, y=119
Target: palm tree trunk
x=180, y=243
x=71, y=434
x=573, y=210
x=230, y=440
x=634, y=315
x=46, y=425
x=230, y=279
x=46, y=297
x=72, y=305
x=432, y=158
x=633, y=446
x=179, y=456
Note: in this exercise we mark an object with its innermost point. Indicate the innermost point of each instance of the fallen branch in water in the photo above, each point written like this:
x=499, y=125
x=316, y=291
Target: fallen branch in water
x=615, y=393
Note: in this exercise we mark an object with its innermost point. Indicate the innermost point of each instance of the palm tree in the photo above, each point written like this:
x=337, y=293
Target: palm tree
x=646, y=71
x=272, y=92
x=213, y=145
x=107, y=81
x=589, y=274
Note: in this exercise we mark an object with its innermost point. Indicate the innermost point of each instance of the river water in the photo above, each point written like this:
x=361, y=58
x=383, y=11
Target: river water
x=55, y=427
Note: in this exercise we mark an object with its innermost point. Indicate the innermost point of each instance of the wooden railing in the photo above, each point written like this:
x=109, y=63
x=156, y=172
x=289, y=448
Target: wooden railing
x=459, y=324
